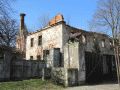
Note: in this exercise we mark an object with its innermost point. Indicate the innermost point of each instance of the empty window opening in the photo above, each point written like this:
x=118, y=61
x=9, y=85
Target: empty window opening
x=31, y=57
x=38, y=57
x=94, y=39
x=103, y=43
x=83, y=39
x=110, y=43
x=45, y=54
x=40, y=40
x=32, y=40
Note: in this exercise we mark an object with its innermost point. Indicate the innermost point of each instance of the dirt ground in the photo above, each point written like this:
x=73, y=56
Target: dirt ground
x=96, y=87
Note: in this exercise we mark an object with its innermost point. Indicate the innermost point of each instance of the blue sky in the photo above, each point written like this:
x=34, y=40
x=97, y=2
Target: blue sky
x=78, y=12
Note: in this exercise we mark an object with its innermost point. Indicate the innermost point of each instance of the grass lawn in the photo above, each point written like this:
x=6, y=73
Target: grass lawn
x=32, y=84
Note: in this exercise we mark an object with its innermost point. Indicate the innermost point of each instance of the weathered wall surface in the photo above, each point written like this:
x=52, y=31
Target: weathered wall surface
x=59, y=75
x=5, y=66
x=74, y=52
x=74, y=59
x=71, y=62
x=21, y=43
x=23, y=69
x=93, y=38
x=65, y=35
x=82, y=67
x=12, y=69
x=71, y=55
x=1, y=70
x=93, y=43
x=51, y=38
x=53, y=59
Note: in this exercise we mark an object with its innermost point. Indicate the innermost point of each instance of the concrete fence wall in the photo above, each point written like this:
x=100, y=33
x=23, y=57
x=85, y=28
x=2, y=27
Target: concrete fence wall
x=2, y=70
x=23, y=69
x=18, y=69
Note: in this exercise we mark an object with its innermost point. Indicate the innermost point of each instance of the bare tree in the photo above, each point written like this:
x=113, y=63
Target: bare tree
x=107, y=17
x=5, y=7
x=8, y=31
x=8, y=26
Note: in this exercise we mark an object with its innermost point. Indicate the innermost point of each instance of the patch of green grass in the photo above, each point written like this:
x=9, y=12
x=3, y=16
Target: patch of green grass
x=32, y=84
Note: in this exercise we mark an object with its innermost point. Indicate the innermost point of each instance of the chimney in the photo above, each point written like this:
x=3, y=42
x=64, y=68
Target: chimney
x=22, y=26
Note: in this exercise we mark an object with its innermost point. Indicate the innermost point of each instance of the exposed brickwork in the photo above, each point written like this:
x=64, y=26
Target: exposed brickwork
x=56, y=19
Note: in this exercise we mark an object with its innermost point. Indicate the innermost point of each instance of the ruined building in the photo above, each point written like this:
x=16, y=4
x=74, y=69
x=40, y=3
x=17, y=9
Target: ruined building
x=78, y=56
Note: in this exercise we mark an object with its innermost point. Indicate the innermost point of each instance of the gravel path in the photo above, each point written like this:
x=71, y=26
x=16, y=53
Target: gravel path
x=95, y=87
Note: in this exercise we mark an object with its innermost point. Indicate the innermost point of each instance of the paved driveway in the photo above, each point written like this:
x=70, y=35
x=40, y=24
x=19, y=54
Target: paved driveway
x=95, y=87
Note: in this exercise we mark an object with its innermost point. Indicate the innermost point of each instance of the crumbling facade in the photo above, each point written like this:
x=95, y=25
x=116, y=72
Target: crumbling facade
x=77, y=55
